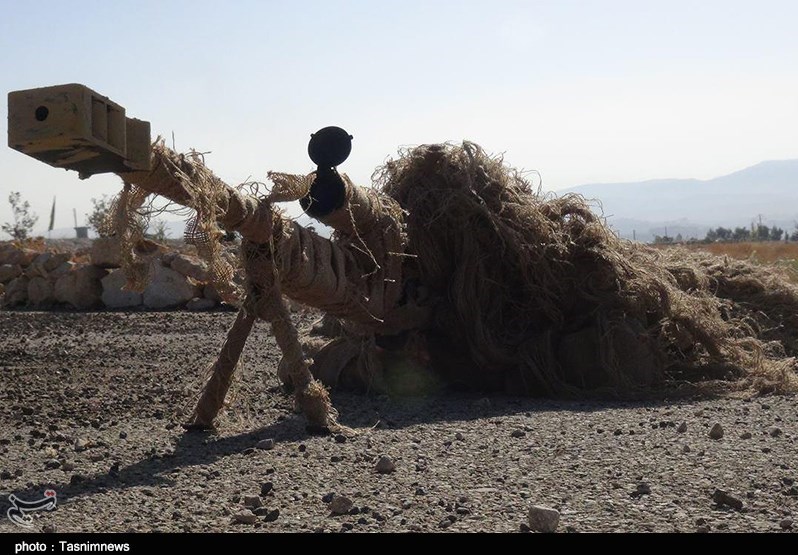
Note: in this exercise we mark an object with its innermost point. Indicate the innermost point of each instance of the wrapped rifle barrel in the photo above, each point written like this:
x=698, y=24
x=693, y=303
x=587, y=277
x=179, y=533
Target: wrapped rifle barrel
x=357, y=277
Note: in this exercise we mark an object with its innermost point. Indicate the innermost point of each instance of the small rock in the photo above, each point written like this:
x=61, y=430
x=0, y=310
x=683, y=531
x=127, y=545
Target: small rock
x=52, y=464
x=81, y=444
x=686, y=449
x=67, y=466
x=716, y=432
x=76, y=479
x=724, y=498
x=340, y=438
x=543, y=519
x=96, y=457
x=49, y=529
x=6, y=475
x=272, y=515
x=445, y=523
x=266, y=488
x=265, y=444
x=420, y=491
x=682, y=428
x=123, y=435
x=642, y=489
x=385, y=465
x=786, y=524
x=518, y=433
x=774, y=431
x=340, y=505
x=746, y=435
x=459, y=436
x=245, y=517
x=252, y=502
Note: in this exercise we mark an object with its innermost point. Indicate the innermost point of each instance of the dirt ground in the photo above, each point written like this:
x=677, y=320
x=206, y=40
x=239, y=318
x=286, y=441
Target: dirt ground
x=91, y=406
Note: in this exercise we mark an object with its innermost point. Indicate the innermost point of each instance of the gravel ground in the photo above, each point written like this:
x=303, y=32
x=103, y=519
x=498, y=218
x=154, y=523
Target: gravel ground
x=91, y=406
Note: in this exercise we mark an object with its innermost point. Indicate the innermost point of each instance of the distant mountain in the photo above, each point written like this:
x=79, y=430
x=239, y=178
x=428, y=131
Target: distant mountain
x=692, y=206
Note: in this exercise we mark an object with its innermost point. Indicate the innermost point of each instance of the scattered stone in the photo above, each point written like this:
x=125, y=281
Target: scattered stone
x=265, y=444
x=459, y=436
x=518, y=433
x=746, y=435
x=190, y=267
x=67, y=466
x=340, y=438
x=123, y=435
x=682, y=428
x=773, y=431
x=82, y=288
x=245, y=517
x=6, y=475
x=686, y=449
x=40, y=292
x=76, y=479
x=724, y=498
x=199, y=304
x=340, y=505
x=167, y=288
x=52, y=464
x=420, y=491
x=385, y=465
x=209, y=292
x=16, y=291
x=272, y=515
x=105, y=252
x=81, y=444
x=266, y=488
x=49, y=529
x=786, y=524
x=252, y=501
x=716, y=432
x=9, y=272
x=114, y=293
x=543, y=519
x=96, y=457
x=643, y=488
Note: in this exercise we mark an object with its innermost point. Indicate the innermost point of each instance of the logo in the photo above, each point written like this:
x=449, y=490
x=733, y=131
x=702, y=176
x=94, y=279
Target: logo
x=18, y=512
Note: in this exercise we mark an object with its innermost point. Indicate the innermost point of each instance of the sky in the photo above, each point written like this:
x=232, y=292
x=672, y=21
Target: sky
x=580, y=91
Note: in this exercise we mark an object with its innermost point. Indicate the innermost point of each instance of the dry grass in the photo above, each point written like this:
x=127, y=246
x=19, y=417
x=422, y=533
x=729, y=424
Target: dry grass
x=768, y=252
x=784, y=255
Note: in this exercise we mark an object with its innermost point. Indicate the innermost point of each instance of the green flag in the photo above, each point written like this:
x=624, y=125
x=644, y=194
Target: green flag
x=52, y=216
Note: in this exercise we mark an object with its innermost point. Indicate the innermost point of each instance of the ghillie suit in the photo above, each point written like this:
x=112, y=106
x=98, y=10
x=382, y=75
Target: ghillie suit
x=453, y=269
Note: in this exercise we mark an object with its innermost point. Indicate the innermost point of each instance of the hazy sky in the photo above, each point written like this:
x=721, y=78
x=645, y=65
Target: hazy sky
x=582, y=91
